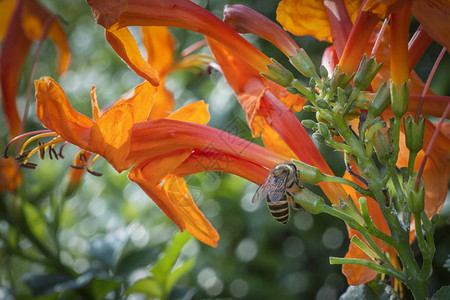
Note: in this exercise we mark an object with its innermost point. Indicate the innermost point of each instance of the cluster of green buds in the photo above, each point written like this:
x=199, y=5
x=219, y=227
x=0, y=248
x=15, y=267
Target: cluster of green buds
x=372, y=147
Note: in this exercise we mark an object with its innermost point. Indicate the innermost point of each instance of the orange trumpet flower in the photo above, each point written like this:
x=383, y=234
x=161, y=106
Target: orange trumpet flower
x=160, y=152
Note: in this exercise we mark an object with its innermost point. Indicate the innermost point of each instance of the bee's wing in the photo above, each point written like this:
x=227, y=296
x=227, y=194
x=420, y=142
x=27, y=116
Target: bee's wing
x=276, y=187
x=260, y=193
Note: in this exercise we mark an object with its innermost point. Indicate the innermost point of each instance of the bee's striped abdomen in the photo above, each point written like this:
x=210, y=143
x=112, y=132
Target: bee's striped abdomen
x=279, y=210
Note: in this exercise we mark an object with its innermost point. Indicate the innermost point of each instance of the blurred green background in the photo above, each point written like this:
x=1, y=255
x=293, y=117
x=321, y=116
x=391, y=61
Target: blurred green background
x=109, y=223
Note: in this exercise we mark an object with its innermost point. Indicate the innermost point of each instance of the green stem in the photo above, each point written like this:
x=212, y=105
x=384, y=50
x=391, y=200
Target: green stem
x=362, y=262
x=395, y=149
x=342, y=180
x=411, y=161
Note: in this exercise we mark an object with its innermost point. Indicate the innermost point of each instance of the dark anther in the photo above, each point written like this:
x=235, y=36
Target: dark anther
x=94, y=173
x=354, y=133
x=82, y=157
x=52, y=150
x=362, y=119
x=61, y=149
x=23, y=155
x=78, y=167
x=41, y=150
x=350, y=171
x=28, y=165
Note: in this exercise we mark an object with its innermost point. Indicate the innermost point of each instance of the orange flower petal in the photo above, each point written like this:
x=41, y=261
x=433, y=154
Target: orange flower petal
x=176, y=202
x=196, y=112
x=10, y=176
x=14, y=51
x=383, y=8
x=139, y=175
x=160, y=46
x=125, y=46
x=176, y=13
x=196, y=223
x=6, y=11
x=434, y=15
x=110, y=136
x=55, y=112
x=310, y=17
x=356, y=45
x=304, y=18
x=34, y=16
x=142, y=100
x=163, y=103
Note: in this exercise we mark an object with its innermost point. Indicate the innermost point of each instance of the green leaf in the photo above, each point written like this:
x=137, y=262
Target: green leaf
x=442, y=294
x=135, y=259
x=149, y=286
x=170, y=255
x=178, y=272
x=100, y=287
x=37, y=224
x=370, y=291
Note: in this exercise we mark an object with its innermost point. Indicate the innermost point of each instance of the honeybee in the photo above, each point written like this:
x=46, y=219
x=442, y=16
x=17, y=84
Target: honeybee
x=277, y=188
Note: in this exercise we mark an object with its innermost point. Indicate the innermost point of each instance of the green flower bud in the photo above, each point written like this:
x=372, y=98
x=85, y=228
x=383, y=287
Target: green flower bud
x=309, y=108
x=414, y=133
x=279, y=74
x=400, y=98
x=309, y=124
x=307, y=173
x=361, y=100
x=380, y=102
x=303, y=64
x=382, y=145
x=339, y=79
x=319, y=138
x=415, y=199
x=309, y=201
x=323, y=104
x=323, y=130
x=323, y=72
x=366, y=72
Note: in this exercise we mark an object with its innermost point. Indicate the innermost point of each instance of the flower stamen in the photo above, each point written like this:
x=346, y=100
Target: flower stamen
x=5, y=155
x=40, y=146
x=90, y=170
x=38, y=136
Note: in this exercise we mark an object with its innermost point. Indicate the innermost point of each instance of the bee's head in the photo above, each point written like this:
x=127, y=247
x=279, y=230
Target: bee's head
x=286, y=168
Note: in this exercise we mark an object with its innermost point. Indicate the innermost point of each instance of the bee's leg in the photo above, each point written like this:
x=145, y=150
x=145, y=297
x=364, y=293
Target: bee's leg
x=293, y=204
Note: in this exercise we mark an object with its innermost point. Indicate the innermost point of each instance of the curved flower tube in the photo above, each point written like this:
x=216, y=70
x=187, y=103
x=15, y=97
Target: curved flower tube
x=26, y=24
x=159, y=151
x=174, y=13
